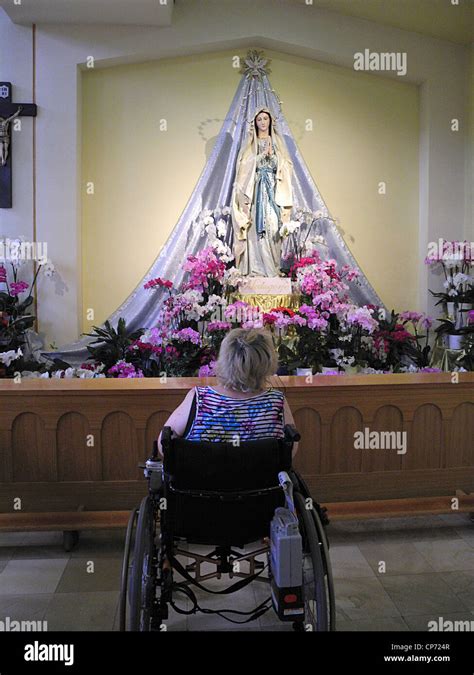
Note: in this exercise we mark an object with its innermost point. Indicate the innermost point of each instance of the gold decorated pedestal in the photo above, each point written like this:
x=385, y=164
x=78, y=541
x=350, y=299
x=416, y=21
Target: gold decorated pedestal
x=266, y=301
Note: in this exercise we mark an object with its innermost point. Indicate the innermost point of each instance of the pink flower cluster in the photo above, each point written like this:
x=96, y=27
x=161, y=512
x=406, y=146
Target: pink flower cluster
x=218, y=325
x=187, y=335
x=17, y=287
x=3, y=275
x=362, y=316
x=124, y=369
x=205, y=265
x=325, y=285
x=153, y=283
x=416, y=318
x=207, y=370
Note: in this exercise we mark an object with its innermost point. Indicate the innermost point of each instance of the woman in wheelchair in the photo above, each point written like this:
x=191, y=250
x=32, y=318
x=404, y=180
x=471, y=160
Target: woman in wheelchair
x=241, y=406
x=226, y=481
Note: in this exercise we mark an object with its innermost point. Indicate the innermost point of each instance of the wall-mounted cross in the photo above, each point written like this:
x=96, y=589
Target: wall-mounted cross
x=8, y=113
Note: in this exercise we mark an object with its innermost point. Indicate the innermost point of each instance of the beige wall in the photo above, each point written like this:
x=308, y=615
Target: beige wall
x=365, y=130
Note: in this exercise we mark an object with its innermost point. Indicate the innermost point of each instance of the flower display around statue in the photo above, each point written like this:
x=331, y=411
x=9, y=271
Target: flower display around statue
x=325, y=334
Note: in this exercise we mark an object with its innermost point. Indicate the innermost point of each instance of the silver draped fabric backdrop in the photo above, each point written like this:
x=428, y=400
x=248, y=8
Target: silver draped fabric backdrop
x=214, y=189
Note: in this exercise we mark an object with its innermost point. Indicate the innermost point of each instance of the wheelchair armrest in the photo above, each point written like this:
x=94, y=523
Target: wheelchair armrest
x=166, y=435
x=291, y=433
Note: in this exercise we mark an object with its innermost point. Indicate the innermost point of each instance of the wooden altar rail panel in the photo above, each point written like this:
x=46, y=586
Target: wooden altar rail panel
x=396, y=508
x=65, y=443
x=63, y=521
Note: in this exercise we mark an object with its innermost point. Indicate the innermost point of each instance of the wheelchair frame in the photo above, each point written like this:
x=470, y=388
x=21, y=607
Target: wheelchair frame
x=148, y=581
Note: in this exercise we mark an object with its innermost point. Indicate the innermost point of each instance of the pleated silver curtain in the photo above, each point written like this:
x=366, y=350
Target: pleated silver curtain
x=213, y=190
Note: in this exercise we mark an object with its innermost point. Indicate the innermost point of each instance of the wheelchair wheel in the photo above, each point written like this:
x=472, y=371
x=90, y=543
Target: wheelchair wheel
x=315, y=585
x=143, y=574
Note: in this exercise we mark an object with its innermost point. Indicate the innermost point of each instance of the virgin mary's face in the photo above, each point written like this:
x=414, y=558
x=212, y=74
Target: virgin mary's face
x=263, y=121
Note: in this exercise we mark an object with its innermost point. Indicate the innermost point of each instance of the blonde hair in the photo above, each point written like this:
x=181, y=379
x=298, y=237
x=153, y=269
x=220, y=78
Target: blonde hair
x=247, y=358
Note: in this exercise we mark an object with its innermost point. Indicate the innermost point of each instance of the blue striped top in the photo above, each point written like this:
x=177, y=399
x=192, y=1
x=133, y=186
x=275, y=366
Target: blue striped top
x=221, y=418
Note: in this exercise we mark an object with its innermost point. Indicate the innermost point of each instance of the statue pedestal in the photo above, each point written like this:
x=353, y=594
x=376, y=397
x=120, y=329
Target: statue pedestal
x=267, y=293
x=265, y=286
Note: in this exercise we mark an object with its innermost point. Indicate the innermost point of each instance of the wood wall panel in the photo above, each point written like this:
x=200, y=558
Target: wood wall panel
x=343, y=457
x=308, y=457
x=43, y=423
x=77, y=459
x=460, y=440
x=33, y=450
x=425, y=439
x=119, y=447
x=387, y=418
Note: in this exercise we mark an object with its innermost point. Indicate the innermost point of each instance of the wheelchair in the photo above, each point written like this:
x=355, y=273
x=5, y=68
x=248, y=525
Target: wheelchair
x=226, y=496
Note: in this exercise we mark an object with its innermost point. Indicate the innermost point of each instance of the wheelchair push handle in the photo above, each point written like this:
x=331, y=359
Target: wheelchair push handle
x=287, y=485
x=291, y=433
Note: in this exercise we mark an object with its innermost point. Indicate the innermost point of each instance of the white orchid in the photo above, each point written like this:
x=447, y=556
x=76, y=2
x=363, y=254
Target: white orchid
x=7, y=357
x=226, y=211
x=192, y=295
x=221, y=227
x=211, y=231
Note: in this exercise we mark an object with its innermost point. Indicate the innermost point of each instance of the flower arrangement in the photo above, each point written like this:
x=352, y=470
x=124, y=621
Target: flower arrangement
x=18, y=340
x=326, y=331
x=301, y=235
x=455, y=259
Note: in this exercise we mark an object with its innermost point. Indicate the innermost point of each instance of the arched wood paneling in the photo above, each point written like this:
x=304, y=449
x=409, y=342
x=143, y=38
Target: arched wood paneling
x=343, y=457
x=308, y=457
x=387, y=418
x=460, y=439
x=77, y=459
x=154, y=425
x=33, y=451
x=425, y=439
x=120, y=458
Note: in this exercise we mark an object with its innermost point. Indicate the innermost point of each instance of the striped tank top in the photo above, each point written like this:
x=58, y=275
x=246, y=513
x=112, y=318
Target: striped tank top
x=221, y=418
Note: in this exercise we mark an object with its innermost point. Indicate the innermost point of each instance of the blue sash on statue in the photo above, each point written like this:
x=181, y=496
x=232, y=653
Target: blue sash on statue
x=264, y=182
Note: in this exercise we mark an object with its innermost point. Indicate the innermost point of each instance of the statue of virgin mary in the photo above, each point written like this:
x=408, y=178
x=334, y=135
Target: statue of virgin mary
x=261, y=197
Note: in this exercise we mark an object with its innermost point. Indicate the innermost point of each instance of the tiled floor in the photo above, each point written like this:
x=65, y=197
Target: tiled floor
x=390, y=575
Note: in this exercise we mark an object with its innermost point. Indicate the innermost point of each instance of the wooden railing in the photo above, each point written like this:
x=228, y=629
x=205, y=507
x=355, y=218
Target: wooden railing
x=69, y=445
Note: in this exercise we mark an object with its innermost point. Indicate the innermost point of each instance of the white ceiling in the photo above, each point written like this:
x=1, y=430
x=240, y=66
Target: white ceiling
x=438, y=18
x=125, y=12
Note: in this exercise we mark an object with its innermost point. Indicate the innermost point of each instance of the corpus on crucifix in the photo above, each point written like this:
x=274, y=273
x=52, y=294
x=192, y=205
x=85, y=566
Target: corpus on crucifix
x=8, y=112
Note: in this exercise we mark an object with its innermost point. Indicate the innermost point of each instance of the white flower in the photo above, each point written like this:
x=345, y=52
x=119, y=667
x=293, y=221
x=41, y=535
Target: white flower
x=211, y=231
x=232, y=276
x=461, y=278
x=7, y=357
x=192, y=295
x=221, y=227
x=226, y=210
x=208, y=220
x=221, y=248
x=44, y=376
x=293, y=225
x=84, y=373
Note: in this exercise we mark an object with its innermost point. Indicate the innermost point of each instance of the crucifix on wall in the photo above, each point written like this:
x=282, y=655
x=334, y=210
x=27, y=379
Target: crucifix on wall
x=8, y=113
